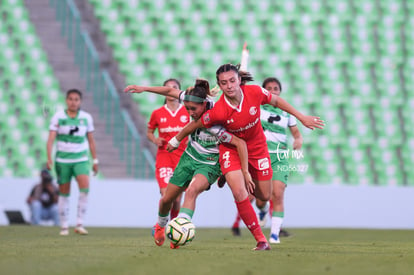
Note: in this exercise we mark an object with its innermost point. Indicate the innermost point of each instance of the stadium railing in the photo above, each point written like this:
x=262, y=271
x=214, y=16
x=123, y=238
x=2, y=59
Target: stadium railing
x=140, y=162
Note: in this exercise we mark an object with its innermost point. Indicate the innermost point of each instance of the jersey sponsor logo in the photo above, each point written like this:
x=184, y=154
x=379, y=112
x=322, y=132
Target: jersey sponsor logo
x=253, y=110
x=184, y=119
x=170, y=129
x=273, y=118
x=263, y=163
x=206, y=118
x=248, y=126
x=73, y=130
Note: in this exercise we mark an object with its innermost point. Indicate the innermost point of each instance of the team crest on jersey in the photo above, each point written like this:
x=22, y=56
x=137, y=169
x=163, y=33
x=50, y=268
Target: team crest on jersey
x=263, y=163
x=253, y=110
x=184, y=119
x=206, y=118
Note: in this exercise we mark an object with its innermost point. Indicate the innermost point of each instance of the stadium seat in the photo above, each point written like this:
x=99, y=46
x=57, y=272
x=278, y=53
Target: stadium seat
x=347, y=61
x=28, y=86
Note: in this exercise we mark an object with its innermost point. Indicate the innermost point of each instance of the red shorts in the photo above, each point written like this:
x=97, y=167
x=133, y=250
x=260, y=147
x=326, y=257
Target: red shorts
x=164, y=166
x=259, y=168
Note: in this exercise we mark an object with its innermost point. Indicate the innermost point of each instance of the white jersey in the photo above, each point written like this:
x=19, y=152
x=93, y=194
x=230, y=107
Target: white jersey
x=72, y=145
x=275, y=123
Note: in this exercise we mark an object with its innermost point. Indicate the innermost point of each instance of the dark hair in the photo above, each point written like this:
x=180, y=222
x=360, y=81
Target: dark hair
x=74, y=91
x=200, y=89
x=245, y=76
x=174, y=80
x=272, y=79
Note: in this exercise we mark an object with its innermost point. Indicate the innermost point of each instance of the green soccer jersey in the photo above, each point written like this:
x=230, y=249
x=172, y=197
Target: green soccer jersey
x=203, y=144
x=275, y=123
x=72, y=145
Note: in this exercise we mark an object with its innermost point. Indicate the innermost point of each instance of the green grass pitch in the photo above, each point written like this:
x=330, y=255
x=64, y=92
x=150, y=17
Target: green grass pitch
x=40, y=250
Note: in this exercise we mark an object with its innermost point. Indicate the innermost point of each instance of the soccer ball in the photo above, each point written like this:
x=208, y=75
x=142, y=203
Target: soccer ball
x=180, y=231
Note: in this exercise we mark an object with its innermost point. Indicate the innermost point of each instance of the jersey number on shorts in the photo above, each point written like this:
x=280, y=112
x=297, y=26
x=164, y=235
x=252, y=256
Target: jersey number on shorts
x=166, y=173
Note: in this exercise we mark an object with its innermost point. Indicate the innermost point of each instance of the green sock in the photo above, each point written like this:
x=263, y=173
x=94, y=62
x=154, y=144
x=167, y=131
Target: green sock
x=186, y=213
x=278, y=214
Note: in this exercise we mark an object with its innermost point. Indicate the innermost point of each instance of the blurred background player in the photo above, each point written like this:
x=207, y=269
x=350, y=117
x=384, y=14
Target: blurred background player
x=275, y=123
x=169, y=120
x=43, y=200
x=198, y=167
x=73, y=129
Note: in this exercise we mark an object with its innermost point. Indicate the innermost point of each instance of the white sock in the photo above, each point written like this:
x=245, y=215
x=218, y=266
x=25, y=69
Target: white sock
x=276, y=225
x=162, y=221
x=184, y=215
x=82, y=207
x=63, y=207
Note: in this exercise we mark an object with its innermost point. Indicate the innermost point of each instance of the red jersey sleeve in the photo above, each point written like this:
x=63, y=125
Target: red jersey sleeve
x=266, y=96
x=213, y=117
x=153, y=122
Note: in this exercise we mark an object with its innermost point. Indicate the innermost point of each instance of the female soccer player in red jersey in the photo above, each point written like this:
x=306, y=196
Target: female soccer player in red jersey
x=169, y=120
x=200, y=159
x=238, y=110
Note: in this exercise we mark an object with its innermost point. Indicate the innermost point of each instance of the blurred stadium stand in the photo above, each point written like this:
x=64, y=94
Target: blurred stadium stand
x=351, y=62
x=39, y=65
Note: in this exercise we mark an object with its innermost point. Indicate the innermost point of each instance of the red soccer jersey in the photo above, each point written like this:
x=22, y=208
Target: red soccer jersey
x=244, y=120
x=169, y=124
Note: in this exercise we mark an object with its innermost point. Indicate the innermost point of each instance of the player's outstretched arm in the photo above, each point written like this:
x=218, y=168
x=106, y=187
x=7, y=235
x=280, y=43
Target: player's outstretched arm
x=310, y=122
x=161, y=90
x=244, y=159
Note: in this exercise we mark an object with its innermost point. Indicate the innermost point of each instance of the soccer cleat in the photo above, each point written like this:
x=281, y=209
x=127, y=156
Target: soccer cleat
x=284, y=233
x=64, y=232
x=262, y=246
x=236, y=231
x=79, y=229
x=262, y=218
x=159, y=235
x=274, y=238
x=174, y=246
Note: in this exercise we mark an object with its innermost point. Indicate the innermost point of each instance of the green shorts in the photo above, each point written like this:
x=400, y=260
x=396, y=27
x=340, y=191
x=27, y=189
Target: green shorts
x=280, y=168
x=187, y=168
x=65, y=171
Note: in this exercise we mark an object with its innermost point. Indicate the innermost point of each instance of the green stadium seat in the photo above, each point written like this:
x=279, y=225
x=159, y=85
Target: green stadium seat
x=343, y=8
x=329, y=55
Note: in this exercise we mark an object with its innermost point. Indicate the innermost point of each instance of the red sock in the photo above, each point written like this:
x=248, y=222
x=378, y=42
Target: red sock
x=249, y=218
x=173, y=213
x=271, y=208
x=237, y=221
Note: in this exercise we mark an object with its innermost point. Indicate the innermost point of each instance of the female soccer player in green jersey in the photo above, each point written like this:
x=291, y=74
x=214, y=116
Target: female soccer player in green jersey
x=73, y=130
x=198, y=167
